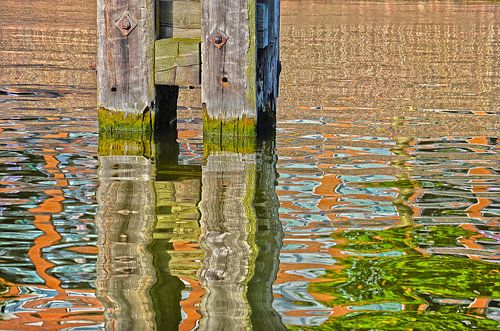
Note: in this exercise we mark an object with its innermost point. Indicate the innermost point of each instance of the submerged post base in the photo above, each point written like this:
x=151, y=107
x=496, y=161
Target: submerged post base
x=234, y=135
x=235, y=127
x=213, y=144
x=125, y=144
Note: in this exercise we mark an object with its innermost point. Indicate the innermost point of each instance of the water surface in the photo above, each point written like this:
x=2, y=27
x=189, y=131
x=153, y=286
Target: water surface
x=376, y=207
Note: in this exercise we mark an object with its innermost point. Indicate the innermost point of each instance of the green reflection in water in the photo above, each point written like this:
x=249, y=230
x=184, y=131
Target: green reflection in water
x=408, y=320
x=388, y=284
x=177, y=190
x=166, y=292
x=268, y=239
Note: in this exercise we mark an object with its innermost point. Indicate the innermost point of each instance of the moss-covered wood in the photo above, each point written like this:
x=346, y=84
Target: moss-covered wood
x=113, y=121
x=214, y=126
x=240, y=75
x=238, y=55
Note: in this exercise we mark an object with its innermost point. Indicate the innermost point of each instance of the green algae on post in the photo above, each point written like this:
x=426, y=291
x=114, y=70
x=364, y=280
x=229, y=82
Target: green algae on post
x=118, y=121
x=126, y=32
x=236, y=135
x=242, y=126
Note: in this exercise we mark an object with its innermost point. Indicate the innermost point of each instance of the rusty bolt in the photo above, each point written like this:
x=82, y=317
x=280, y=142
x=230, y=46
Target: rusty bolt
x=125, y=23
x=218, y=39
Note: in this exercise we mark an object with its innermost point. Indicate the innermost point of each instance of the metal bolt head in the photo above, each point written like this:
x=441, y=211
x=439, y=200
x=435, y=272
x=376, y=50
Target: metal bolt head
x=125, y=24
x=218, y=38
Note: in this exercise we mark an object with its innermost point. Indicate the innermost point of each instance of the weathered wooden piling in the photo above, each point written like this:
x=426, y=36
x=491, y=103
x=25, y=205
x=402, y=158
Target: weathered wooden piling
x=149, y=48
x=268, y=64
x=125, y=77
x=239, y=55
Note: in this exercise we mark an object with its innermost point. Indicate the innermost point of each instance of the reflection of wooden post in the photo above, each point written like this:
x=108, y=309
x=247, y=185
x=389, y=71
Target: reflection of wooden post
x=241, y=236
x=228, y=228
x=268, y=238
x=125, y=221
x=240, y=239
x=177, y=225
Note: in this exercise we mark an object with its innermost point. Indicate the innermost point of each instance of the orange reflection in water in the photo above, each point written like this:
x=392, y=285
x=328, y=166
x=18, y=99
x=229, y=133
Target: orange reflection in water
x=190, y=305
x=66, y=307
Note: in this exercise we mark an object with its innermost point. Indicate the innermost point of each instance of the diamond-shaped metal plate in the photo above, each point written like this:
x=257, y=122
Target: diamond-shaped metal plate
x=218, y=38
x=125, y=24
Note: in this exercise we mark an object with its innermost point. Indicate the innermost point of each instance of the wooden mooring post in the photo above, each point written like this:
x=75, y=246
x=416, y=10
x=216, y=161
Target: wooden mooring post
x=125, y=77
x=147, y=49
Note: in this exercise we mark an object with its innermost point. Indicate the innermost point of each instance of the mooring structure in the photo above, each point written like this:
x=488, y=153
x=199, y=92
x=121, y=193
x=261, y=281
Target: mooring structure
x=148, y=49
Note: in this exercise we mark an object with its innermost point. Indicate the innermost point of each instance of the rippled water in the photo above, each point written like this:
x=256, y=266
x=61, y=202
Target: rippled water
x=376, y=207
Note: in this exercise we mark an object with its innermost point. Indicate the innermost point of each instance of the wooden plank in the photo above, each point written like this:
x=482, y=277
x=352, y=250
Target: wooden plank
x=229, y=72
x=180, y=19
x=125, y=77
x=177, y=62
